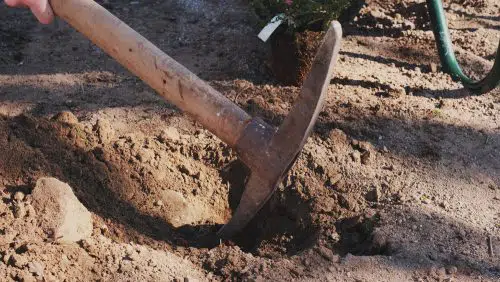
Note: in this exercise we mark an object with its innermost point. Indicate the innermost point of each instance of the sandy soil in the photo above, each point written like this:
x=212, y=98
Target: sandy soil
x=400, y=180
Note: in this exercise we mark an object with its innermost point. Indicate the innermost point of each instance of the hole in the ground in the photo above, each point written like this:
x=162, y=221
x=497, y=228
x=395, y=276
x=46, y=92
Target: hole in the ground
x=283, y=227
x=358, y=236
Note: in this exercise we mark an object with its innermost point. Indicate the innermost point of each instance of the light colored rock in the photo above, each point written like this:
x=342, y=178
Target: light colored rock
x=178, y=211
x=36, y=268
x=59, y=212
x=169, y=134
x=19, y=196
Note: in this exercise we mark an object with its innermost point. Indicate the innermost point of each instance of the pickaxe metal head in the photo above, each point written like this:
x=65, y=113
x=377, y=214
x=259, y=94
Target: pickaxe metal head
x=268, y=152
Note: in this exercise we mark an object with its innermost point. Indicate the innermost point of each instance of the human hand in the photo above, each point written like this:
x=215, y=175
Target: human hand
x=40, y=8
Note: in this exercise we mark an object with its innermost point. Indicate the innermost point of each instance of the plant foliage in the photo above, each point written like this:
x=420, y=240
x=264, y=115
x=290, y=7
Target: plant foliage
x=301, y=15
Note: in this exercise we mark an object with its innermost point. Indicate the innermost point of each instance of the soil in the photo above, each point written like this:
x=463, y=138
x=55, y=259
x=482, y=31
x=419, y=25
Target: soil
x=400, y=180
x=292, y=56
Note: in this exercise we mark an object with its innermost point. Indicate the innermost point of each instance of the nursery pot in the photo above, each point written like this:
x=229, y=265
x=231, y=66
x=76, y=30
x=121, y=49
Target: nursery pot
x=292, y=55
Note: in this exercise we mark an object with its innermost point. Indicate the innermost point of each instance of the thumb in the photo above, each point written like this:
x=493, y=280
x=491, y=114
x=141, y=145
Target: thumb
x=41, y=9
x=14, y=3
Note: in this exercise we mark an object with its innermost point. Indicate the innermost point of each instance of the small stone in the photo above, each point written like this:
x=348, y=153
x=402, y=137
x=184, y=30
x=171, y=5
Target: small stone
x=398, y=17
x=169, y=134
x=145, y=155
x=441, y=272
x=60, y=213
x=36, y=268
x=326, y=253
x=19, y=211
x=365, y=157
x=444, y=204
x=332, y=180
x=433, y=67
x=19, y=196
x=408, y=24
x=451, y=270
x=66, y=117
x=159, y=203
x=356, y=156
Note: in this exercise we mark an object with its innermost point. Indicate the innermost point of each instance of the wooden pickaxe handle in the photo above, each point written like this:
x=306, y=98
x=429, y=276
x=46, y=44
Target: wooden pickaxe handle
x=169, y=78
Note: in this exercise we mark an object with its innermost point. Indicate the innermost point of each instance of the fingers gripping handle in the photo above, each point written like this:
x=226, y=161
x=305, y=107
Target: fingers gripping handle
x=170, y=79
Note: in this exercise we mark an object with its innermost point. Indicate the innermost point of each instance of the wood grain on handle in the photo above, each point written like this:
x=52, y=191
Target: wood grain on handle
x=170, y=79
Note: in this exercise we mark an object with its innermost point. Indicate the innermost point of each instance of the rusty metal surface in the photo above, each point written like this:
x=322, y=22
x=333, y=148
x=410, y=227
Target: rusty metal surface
x=270, y=153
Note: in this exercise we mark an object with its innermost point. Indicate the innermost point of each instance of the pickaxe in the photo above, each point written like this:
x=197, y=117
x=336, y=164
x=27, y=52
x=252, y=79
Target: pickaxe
x=269, y=152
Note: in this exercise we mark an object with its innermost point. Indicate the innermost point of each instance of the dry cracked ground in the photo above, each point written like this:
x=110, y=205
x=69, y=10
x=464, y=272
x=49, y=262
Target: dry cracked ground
x=400, y=180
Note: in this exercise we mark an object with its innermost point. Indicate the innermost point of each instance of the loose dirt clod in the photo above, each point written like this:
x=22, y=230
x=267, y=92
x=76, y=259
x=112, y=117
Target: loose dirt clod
x=59, y=212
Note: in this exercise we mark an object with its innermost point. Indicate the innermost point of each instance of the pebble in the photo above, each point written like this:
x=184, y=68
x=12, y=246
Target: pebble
x=19, y=211
x=159, y=203
x=169, y=134
x=19, y=196
x=444, y=204
x=433, y=67
x=326, y=253
x=36, y=268
x=451, y=270
x=356, y=156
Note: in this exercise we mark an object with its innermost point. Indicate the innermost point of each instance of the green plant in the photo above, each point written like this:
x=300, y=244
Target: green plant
x=301, y=15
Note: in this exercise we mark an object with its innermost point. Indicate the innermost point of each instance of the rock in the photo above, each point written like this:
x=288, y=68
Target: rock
x=19, y=211
x=145, y=155
x=441, y=272
x=159, y=203
x=365, y=157
x=36, y=268
x=19, y=196
x=451, y=270
x=326, y=253
x=169, y=134
x=444, y=204
x=60, y=214
x=433, y=67
x=356, y=156
x=408, y=24
x=178, y=211
x=334, y=179
x=66, y=117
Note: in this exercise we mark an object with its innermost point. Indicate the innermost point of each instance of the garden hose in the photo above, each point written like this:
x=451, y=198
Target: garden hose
x=447, y=56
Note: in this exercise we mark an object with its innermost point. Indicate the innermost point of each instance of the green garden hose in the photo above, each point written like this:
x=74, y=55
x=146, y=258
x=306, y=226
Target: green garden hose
x=447, y=56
